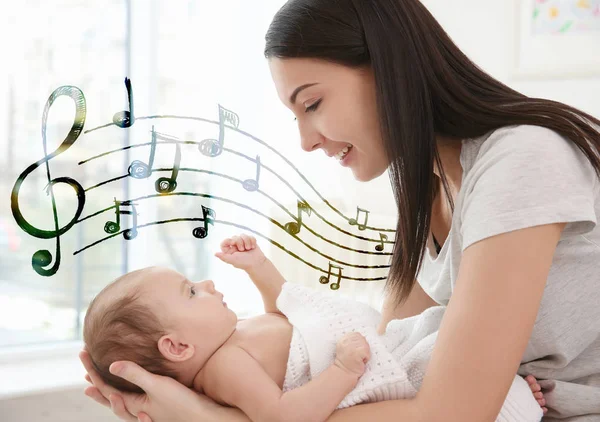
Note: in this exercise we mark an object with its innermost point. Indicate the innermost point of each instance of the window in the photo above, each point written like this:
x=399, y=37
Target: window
x=189, y=62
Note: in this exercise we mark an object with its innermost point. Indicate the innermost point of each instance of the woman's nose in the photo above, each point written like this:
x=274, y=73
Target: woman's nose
x=310, y=140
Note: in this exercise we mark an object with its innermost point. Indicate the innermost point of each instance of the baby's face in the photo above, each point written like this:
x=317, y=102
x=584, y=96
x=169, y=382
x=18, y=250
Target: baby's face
x=194, y=312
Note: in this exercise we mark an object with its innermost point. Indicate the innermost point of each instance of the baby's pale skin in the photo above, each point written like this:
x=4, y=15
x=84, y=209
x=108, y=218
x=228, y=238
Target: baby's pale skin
x=247, y=368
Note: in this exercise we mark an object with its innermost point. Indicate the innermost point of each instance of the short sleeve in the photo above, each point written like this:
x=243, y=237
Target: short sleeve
x=527, y=176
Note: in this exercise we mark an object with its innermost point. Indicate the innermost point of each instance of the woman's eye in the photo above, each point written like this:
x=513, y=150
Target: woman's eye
x=313, y=107
x=192, y=291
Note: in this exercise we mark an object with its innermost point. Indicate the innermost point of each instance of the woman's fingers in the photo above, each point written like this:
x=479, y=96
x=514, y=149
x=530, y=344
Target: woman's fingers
x=96, y=395
x=88, y=379
x=118, y=407
x=142, y=417
x=95, y=378
x=133, y=373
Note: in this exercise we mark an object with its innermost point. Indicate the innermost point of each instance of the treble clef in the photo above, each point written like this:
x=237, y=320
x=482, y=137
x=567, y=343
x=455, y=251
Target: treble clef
x=42, y=258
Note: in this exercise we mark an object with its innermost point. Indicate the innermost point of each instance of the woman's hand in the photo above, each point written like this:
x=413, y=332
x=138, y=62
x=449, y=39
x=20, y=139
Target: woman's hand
x=165, y=400
x=242, y=252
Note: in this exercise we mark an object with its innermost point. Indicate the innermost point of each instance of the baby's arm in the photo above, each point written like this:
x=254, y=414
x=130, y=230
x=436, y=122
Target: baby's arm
x=243, y=252
x=243, y=383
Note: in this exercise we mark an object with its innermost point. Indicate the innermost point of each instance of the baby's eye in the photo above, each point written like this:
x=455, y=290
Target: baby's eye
x=192, y=291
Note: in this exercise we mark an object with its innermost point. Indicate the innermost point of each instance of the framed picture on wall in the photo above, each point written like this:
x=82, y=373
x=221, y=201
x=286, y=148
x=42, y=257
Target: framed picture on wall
x=557, y=38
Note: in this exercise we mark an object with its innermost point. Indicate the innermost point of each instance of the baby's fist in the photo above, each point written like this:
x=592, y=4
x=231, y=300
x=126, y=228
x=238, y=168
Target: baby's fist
x=352, y=353
x=241, y=251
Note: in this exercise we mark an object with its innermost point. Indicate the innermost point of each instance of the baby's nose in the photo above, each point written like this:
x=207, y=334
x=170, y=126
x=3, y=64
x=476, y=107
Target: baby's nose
x=210, y=285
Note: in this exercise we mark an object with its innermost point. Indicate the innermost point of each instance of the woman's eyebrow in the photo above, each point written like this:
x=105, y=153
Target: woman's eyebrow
x=298, y=90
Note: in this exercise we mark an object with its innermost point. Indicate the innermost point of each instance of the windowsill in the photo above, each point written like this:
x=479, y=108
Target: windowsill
x=35, y=370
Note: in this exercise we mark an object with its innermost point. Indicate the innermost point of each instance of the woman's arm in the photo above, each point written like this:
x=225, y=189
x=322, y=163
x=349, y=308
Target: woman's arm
x=165, y=398
x=484, y=332
x=415, y=304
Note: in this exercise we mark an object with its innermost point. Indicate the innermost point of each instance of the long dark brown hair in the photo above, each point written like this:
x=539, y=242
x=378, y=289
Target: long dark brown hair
x=426, y=87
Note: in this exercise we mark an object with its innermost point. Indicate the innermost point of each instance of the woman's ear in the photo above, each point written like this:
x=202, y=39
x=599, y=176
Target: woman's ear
x=174, y=350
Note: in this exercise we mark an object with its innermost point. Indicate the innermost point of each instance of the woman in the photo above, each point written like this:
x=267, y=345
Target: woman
x=504, y=186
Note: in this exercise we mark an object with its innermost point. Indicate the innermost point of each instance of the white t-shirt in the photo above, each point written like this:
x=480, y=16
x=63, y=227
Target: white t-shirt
x=523, y=176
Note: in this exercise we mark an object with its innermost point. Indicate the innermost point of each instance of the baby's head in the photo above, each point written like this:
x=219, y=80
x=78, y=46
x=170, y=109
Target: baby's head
x=158, y=319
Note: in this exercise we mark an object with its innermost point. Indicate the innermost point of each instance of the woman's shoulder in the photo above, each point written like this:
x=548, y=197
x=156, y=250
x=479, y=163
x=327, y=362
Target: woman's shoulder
x=522, y=138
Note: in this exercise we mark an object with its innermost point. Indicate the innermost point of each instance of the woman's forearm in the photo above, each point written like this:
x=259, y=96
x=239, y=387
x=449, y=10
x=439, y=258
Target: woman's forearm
x=383, y=411
x=226, y=414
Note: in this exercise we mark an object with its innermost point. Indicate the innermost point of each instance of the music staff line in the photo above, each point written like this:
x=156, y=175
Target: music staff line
x=228, y=223
x=235, y=129
x=201, y=195
x=178, y=142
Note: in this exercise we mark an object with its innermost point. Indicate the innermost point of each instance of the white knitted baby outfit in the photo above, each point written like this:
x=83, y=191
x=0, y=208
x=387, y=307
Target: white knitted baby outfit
x=398, y=358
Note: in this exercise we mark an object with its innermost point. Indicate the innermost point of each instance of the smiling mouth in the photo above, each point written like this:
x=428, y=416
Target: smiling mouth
x=340, y=155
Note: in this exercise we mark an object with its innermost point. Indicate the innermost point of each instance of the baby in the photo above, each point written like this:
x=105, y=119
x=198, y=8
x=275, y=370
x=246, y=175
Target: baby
x=308, y=355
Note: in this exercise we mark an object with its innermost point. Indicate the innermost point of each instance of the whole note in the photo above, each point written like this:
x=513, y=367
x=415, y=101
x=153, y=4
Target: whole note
x=140, y=170
x=293, y=228
x=325, y=280
x=169, y=184
x=354, y=221
x=251, y=185
x=383, y=238
x=112, y=227
x=214, y=147
x=208, y=218
x=43, y=258
x=126, y=118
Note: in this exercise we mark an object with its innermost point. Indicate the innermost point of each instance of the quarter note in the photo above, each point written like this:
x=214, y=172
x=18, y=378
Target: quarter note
x=293, y=228
x=208, y=216
x=125, y=118
x=325, y=280
x=214, y=147
x=112, y=227
x=169, y=184
x=140, y=170
x=251, y=185
x=43, y=258
x=383, y=238
x=354, y=221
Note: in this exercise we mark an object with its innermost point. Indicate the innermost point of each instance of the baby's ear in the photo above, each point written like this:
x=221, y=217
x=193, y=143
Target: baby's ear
x=173, y=350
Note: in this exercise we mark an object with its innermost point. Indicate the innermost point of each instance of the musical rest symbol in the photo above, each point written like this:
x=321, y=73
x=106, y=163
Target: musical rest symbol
x=169, y=184
x=293, y=228
x=208, y=215
x=354, y=221
x=125, y=119
x=112, y=227
x=213, y=147
x=383, y=238
x=140, y=170
x=325, y=280
x=251, y=185
x=43, y=258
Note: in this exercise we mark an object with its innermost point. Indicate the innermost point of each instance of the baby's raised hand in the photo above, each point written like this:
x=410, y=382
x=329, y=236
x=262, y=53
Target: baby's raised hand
x=241, y=251
x=352, y=352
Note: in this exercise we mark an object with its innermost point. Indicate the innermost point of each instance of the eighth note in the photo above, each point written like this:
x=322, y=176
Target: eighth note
x=354, y=221
x=140, y=170
x=169, y=184
x=293, y=228
x=251, y=185
x=208, y=215
x=112, y=227
x=325, y=280
x=383, y=238
x=213, y=147
x=125, y=119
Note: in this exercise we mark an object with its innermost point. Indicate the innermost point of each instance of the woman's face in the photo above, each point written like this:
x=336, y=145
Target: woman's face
x=336, y=108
